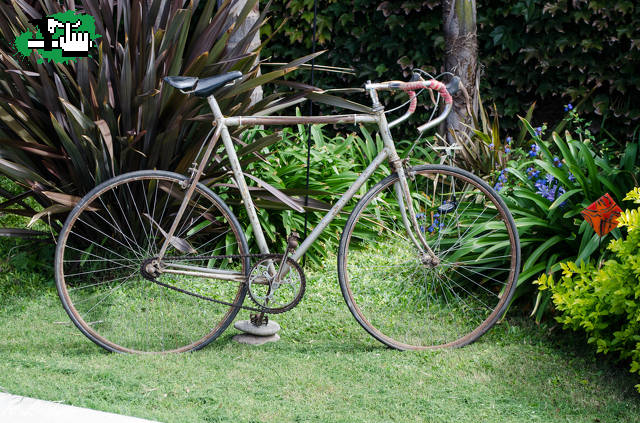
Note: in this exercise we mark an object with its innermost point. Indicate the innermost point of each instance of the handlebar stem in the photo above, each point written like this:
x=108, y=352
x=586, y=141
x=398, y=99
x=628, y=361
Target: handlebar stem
x=374, y=97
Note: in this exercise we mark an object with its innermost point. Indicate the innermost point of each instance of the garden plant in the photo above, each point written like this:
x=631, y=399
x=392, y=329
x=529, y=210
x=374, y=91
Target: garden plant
x=66, y=128
x=600, y=298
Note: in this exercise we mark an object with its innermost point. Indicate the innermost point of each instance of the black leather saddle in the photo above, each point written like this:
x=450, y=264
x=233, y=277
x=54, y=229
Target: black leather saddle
x=201, y=87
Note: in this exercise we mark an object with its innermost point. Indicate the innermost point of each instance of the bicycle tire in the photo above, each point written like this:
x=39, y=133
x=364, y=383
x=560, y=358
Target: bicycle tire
x=401, y=304
x=110, y=232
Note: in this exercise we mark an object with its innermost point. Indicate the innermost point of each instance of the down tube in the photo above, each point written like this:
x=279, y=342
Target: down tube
x=331, y=214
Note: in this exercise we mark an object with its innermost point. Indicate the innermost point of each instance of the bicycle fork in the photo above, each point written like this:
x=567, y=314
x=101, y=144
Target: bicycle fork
x=403, y=195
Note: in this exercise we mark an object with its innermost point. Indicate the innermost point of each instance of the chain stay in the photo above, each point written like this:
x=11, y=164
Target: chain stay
x=203, y=297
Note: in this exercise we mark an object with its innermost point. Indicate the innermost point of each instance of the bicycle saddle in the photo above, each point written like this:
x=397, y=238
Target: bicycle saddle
x=201, y=87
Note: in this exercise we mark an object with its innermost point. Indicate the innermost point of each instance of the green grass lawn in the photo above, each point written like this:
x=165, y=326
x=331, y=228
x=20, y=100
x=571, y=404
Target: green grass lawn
x=324, y=369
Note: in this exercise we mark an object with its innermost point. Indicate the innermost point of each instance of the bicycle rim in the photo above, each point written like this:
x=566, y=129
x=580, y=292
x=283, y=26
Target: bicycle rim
x=108, y=237
x=397, y=293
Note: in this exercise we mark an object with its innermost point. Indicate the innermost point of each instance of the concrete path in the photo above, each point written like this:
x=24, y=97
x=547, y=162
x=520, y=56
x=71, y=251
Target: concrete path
x=17, y=409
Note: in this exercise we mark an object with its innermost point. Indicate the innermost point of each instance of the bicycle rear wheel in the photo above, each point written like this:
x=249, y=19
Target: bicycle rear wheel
x=118, y=227
x=402, y=299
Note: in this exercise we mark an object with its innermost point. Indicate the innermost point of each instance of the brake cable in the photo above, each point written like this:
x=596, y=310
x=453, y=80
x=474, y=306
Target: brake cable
x=313, y=63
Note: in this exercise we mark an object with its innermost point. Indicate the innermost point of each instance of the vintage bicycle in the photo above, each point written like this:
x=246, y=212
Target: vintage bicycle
x=155, y=262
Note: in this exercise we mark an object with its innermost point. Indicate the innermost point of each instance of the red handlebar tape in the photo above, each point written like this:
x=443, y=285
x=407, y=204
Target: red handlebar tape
x=414, y=101
x=431, y=84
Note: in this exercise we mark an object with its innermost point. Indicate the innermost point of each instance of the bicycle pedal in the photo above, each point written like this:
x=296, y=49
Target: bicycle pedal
x=447, y=207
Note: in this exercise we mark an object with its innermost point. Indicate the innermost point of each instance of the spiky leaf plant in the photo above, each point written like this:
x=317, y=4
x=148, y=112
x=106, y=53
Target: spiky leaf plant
x=66, y=127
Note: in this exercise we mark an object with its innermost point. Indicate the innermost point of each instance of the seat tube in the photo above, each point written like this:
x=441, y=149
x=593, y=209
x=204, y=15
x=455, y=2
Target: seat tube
x=238, y=176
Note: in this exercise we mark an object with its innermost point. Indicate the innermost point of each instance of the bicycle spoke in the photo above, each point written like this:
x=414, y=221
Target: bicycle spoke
x=98, y=284
x=100, y=270
x=101, y=263
x=403, y=297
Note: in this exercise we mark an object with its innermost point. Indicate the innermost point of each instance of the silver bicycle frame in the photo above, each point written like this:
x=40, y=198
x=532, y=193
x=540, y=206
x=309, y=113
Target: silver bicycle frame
x=223, y=124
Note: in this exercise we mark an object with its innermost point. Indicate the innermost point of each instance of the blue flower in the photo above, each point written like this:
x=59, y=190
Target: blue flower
x=491, y=146
x=549, y=178
x=509, y=139
x=538, y=131
x=568, y=107
x=419, y=215
x=497, y=187
x=557, y=162
x=534, y=150
x=548, y=188
x=532, y=173
x=507, y=150
x=571, y=177
x=431, y=228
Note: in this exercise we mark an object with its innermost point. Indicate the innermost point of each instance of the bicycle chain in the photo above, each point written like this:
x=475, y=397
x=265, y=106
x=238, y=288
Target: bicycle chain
x=204, y=297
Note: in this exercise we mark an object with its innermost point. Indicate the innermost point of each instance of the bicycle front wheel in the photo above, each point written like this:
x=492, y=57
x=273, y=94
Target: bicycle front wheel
x=108, y=239
x=402, y=297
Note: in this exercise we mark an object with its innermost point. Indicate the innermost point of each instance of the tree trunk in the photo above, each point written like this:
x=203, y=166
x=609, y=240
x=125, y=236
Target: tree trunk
x=241, y=33
x=461, y=59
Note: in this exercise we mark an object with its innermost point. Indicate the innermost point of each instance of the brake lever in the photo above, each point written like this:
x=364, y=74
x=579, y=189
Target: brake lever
x=453, y=86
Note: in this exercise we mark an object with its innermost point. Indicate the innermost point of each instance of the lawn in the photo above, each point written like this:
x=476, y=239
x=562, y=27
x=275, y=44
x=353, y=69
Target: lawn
x=325, y=368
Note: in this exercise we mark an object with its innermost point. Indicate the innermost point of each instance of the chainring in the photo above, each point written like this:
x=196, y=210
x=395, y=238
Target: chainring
x=267, y=293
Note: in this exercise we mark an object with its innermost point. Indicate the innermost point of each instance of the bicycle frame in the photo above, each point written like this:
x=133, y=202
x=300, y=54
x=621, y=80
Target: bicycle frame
x=389, y=152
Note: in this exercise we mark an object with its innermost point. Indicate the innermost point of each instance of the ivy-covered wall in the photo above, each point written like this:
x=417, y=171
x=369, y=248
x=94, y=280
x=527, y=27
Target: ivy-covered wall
x=551, y=52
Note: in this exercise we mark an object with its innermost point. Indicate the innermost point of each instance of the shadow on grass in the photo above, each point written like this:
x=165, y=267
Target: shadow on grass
x=26, y=269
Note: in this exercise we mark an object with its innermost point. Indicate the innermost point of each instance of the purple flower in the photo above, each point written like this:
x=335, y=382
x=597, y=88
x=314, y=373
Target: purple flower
x=571, y=177
x=538, y=131
x=549, y=178
x=497, y=187
x=548, y=188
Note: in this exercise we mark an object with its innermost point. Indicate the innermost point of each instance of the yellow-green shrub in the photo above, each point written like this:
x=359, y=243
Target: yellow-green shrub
x=604, y=301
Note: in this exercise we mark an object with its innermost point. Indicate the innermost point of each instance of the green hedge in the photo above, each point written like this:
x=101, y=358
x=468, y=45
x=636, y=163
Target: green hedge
x=549, y=52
